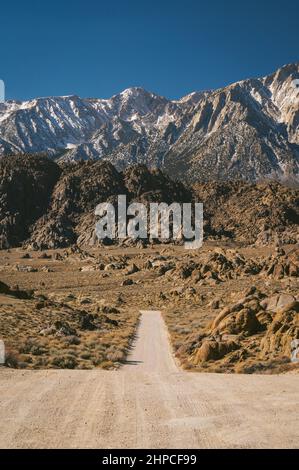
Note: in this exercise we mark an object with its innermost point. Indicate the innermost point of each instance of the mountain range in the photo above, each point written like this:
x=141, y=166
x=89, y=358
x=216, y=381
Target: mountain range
x=45, y=205
x=247, y=130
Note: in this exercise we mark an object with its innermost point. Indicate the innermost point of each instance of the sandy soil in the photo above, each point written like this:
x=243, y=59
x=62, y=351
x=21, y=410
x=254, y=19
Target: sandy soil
x=149, y=403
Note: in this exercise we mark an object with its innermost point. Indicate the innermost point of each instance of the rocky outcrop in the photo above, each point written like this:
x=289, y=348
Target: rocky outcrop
x=45, y=205
x=15, y=291
x=252, y=329
x=26, y=185
x=264, y=213
x=71, y=219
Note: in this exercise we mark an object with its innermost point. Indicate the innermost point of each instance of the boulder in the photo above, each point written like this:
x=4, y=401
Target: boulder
x=64, y=328
x=212, y=350
x=4, y=288
x=127, y=282
x=280, y=334
x=277, y=302
x=86, y=321
x=132, y=269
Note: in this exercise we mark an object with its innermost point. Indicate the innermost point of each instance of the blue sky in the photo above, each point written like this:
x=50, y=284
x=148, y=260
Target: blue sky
x=98, y=48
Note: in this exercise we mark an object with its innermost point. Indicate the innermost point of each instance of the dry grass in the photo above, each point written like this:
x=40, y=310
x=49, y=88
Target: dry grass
x=92, y=283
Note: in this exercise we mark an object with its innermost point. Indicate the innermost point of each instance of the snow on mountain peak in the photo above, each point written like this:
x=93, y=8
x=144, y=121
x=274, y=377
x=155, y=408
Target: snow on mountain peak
x=229, y=130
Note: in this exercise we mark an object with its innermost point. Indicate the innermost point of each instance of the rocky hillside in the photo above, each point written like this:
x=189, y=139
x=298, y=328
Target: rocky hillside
x=53, y=206
x=247, y=130
x=46, y=205
x=264, y=213
x=133, y=127
x=26, y=185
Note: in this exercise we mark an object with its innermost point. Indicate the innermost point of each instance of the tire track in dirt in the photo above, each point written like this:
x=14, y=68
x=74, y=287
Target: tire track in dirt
x=148, y=403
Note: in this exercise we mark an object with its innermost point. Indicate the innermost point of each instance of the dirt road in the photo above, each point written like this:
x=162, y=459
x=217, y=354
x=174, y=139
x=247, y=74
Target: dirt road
x=149, y=403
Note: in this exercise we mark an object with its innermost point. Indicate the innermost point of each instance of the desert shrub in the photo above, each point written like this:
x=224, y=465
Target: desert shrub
x=115, y=356
x=97, y=359
x=72, y=340
x=11, y=359
x=40, y=362
x=64, y=362
x=107, y=365
x=85, y=355
x=85, y=366
x=31, y=346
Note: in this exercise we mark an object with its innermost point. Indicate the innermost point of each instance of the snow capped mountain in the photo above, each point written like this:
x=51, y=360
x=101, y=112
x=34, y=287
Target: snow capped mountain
x=248, y=129
x=95, y=126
